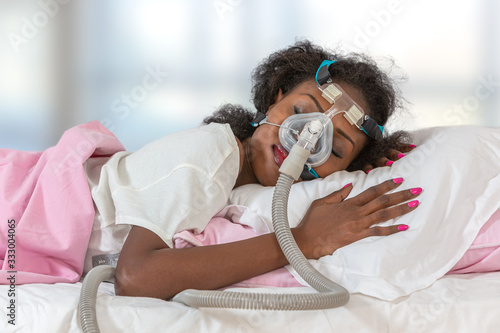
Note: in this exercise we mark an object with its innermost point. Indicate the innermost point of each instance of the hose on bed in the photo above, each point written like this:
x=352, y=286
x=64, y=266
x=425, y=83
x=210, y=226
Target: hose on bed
x=88, y=296
x=330, y=293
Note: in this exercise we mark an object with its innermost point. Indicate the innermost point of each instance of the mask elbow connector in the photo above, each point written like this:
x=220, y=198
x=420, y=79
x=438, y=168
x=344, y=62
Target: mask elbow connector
x=299, y=154
x=294, y=163
x=316, y=133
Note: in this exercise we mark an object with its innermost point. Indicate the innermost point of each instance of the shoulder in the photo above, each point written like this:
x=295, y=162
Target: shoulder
x=236, y=143
x=225, y=136
x=208, y=147
x=214, y=138
x=220, y=132
x=206, y=137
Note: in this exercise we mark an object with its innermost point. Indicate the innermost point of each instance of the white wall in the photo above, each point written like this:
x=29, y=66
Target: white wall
x=67, y=62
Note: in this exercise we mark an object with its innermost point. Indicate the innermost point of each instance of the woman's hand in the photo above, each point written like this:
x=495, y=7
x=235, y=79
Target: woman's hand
x=333, y=222
x=390, y=157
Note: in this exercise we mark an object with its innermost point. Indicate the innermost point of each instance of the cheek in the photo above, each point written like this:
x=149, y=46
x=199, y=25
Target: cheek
x=360, y=145
x=259, y=159
x=258, y=143
x=332, y=165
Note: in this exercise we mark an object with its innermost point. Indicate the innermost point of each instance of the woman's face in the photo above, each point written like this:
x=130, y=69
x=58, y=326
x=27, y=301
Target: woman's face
x=266, y=152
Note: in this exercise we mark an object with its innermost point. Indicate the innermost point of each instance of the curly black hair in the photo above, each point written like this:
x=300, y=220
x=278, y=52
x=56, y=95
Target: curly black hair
x=287, y=68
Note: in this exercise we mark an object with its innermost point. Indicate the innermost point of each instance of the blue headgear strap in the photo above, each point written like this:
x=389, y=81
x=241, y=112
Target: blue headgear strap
x=323, y=73
x=259, y=117
x=308, y=173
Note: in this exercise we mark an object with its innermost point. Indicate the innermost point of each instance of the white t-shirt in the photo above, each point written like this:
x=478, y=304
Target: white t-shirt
x=175, y=183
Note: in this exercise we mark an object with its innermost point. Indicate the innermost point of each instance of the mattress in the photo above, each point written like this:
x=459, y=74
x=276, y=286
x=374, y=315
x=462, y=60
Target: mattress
x=454, y=303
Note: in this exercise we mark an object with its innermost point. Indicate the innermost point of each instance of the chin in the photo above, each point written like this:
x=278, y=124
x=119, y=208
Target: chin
x=268, y=182
x=269, y=179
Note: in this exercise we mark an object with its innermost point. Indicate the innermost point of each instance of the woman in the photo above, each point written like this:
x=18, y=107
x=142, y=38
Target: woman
x=284, y=85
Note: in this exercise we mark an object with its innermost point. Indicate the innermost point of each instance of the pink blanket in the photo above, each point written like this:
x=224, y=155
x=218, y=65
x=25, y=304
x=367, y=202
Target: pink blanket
x=484, y=253
x=222, y=230
x=46, y=208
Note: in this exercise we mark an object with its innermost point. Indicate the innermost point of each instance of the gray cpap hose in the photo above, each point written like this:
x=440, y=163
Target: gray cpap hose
x=330, y=293
x=88, y=296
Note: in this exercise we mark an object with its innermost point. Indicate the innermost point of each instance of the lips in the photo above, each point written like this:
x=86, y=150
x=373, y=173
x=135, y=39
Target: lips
x=279, y=154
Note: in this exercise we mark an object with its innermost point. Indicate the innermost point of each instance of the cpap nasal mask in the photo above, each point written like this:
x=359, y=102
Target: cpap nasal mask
x=342, y=104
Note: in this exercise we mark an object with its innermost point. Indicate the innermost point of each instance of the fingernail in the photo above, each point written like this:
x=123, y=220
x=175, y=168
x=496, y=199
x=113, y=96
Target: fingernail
x=416, y=190
x=389, y=163
x=412, y=146
x=398, y=180
x=367, y=171
x=413, y=203
x=401, y=155
x=403, y=227
x=346, y=185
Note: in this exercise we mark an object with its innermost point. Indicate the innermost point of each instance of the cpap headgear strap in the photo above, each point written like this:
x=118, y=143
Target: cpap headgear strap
x=260, y=118
x=355, y=115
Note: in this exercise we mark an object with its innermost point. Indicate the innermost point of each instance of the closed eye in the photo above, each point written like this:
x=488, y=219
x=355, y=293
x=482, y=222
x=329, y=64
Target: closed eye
x=336, y=154
x=346, y=136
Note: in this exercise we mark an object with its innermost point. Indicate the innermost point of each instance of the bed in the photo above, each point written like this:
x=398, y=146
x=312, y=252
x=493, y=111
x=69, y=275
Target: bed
x=454, y=303
x=397, y=284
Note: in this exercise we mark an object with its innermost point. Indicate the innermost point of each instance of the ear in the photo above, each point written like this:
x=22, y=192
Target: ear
x=277, y=99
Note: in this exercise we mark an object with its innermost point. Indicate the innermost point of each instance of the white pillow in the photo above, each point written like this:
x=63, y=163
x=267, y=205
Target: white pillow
x=458, y=169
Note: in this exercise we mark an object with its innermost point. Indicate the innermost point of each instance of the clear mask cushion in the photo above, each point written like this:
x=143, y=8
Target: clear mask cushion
x=293, y=125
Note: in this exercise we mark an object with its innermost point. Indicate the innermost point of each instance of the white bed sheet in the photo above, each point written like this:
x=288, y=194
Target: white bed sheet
x=454, y=303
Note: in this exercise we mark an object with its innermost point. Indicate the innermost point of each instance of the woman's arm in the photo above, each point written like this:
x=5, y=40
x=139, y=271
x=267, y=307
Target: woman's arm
x=148, y=267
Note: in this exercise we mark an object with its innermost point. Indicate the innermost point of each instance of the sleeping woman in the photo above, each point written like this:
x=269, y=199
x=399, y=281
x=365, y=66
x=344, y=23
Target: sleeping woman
x=181, y=181
x=160, y=196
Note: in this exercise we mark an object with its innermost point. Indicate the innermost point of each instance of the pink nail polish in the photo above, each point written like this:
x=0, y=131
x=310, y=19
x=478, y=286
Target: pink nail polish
x=412, y=146
x=416, y=190
x=398, y=180
x=403, y=227
x=401, y=155
x=346, y=185
x=367, y=171
x=389, y=163
x=413, y=203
